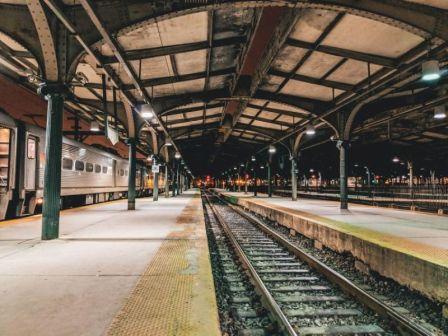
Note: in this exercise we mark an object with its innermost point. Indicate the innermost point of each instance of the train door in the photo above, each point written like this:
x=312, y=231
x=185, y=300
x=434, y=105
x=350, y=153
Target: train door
x=31, y=162
x=5, y=164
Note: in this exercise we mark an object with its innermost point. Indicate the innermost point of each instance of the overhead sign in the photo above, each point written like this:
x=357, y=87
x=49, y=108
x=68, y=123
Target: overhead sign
x=155, y=168
x=112, y=134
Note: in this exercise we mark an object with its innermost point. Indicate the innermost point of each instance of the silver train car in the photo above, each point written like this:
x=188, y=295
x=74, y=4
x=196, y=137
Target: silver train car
x=89, y=175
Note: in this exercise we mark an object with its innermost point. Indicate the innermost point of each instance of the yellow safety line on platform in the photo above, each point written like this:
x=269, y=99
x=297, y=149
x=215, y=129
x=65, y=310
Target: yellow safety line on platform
x=175, y=294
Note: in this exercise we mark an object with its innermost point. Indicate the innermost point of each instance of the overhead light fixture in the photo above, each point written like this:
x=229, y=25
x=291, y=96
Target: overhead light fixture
x=272, y=149
x=261, y=167
x=430, y=70
x=168, y=143
x=396, y=159
x=234, y=168
x=253, y=158
x=440, y=112
x=177, y=156
x=310, y=130
x=146, y=111
x=242, y=165
x=149, y=158
x=94, y=126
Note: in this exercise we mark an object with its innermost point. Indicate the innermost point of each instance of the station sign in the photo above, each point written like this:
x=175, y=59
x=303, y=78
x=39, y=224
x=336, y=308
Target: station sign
x=112, y=134
x=155, y=168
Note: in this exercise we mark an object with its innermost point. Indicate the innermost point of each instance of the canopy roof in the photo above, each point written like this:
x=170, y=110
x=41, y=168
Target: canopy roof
x=228, y=78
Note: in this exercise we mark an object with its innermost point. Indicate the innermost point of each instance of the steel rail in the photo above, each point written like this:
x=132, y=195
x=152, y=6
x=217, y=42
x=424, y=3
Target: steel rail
x=402, y=323
x=269, y=302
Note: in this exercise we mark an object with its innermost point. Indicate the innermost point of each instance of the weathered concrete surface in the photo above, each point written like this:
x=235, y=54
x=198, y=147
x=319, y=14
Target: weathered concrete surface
x=77, y=284
x=411, y=261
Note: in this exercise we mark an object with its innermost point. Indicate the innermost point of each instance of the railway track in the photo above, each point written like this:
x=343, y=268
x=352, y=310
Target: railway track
x=296, y=293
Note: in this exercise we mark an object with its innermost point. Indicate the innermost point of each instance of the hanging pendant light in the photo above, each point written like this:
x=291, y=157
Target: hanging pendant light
x=440, y=112
x=430, y=70
x=310, y=130
x=94, y=126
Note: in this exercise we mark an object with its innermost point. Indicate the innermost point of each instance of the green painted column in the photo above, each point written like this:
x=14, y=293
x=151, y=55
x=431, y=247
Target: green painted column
x=167, y=185
x=177, y=180
x=269, y=181
x=54, y=93
x=255, y=182
x=293, y=180
x=343, y=165
x=132, y=172
x=155, y=190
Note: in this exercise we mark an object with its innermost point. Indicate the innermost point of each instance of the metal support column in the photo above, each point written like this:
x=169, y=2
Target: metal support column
x=255, y=183
x=293, y=179
x=343, y=165
x=155, y=190
x=177, y=180
x=269, y=181
x=54, y=94
x=132, y=172
x=167, y=186
x=173, y=180
x=411, y=180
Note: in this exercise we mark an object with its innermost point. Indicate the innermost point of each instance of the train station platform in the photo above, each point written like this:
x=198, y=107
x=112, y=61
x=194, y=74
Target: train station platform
x=407, y=246
x=111, y=272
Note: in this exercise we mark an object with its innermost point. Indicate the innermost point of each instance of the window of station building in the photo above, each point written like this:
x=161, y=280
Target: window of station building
x=31, y=148
x=121, y=172
x=126, y=172
x=67, y=164
x=97, y=168
x=104, y=170
x=79, y=165
x=89, y=167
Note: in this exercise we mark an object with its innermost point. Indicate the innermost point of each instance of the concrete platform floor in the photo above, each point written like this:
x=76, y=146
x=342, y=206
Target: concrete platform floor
x=428, y=229
x=76, y=285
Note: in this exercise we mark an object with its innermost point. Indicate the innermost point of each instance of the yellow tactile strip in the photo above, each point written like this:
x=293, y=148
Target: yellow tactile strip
x=176, y=291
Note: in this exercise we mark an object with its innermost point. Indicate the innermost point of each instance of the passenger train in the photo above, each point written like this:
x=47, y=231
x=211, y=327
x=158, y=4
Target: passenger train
x=89, y=175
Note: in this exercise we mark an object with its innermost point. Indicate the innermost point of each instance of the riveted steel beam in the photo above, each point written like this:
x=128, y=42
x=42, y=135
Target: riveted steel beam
x=47, y=40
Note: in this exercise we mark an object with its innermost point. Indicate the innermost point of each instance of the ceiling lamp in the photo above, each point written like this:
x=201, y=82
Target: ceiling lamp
x=146, y=111
x=253, y=158
x=94, y=126
x=440, y=112
x=310, y=130
x=430, y=70
x=177, y=156
x=396, y=159
x=168, y=143
x=272, y=149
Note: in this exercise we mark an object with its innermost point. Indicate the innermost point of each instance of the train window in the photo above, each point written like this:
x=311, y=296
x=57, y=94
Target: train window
x=104, y=170
x=67, y=164
x=31, y=148
x=97, y=168
x=79, y=165
x=89, y=167
x=121, y=172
